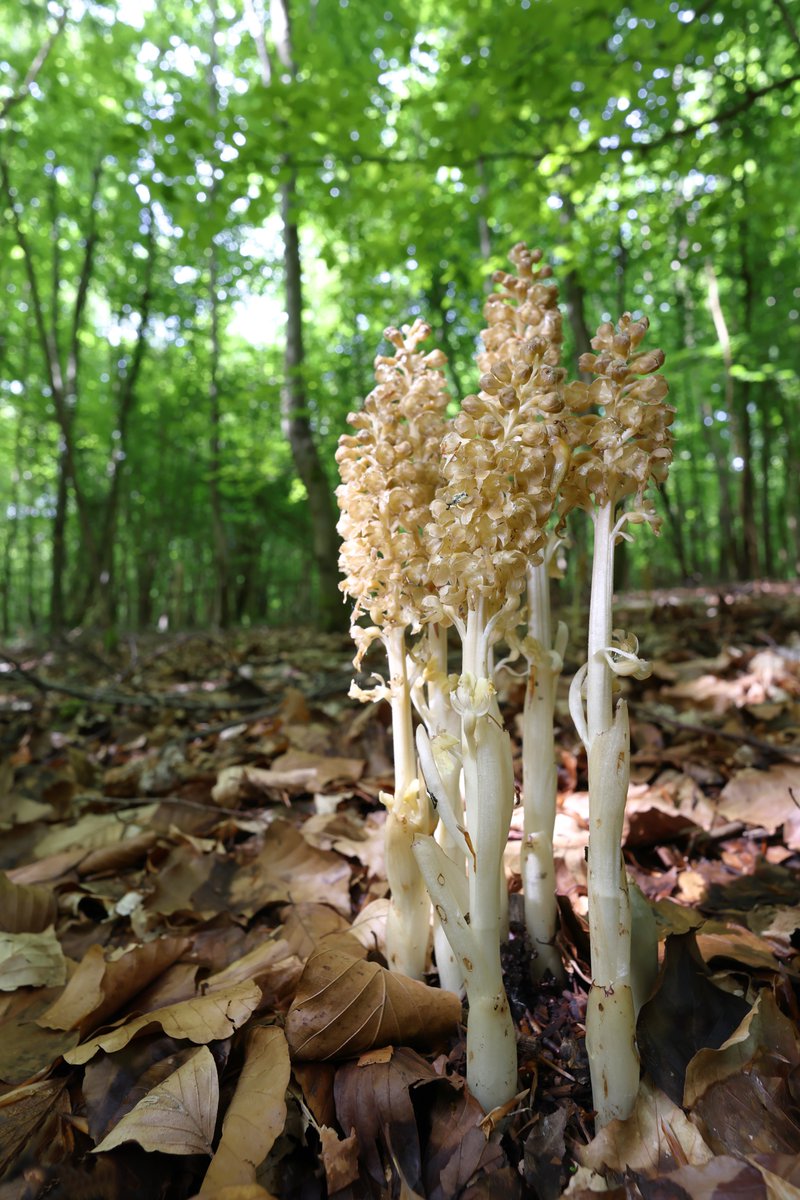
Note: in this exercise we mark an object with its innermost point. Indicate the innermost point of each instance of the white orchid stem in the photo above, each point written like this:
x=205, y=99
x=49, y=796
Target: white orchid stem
x=610, y=1022
x=540, y=781
x=408, y=923
x=439, y=751
x=470, y=909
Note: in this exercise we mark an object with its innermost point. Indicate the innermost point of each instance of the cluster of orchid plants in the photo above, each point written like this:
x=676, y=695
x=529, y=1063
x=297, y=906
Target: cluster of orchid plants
x=454, y=524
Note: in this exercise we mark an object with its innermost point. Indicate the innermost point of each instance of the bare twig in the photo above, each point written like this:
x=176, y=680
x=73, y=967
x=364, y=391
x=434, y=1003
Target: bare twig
x=791, y=753
x=24, y=88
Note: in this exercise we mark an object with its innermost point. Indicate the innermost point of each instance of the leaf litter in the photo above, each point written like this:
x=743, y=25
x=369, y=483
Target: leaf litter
x=193, y=994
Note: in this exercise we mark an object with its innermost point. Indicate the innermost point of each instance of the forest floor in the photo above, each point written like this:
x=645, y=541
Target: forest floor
x=192, y=995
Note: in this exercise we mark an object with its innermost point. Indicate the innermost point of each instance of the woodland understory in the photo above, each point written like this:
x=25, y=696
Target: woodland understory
x=193, y=912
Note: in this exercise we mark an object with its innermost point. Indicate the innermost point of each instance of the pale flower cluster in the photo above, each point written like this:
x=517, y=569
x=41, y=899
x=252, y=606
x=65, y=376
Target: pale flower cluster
x=628, y=442
x=508, y=450
x=390, y=470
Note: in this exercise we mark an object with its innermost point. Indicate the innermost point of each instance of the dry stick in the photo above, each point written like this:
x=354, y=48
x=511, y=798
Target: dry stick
x=791, y=753
x=140, y=700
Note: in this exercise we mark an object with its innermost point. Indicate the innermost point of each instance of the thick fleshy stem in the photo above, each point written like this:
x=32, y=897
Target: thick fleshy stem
x=539, y=777
x=470, y=909
x=440, y=759
x=610, y=1020
x=408, y=813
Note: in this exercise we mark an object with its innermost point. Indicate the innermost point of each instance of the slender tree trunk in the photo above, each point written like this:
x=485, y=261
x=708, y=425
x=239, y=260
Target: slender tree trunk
x=726, y=539
x=220, y=607
x=59, y=551
x=746, y=549
x=11, y=531
x=484, y=231
x=101, y=588
x=295, y=405
x=575, y=299
x=61, y=371
x=748, y=496
x=297, y=425
x=676, y=518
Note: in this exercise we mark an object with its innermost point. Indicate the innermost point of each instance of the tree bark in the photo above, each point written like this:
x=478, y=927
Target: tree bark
x=295, y=406
x=747, y=547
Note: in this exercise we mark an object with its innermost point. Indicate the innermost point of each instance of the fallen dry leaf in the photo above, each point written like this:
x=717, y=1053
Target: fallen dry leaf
x=271, y=965
x=256, y=1114
x=31, y=960
x=339, y=1158
x=176, y=1117
x=24, y=1118
x=457, y=1149
x=201, y=1020
x=25, y=909
x=101, y=986
x=96, y=831
x=288, y=869
x=768, y=798
x=25, y=1048
x=373, y=1098
x=686, y=1013
x=351, y=836
x=763, y=1027
x=721, y=1177
x=306, y=925
x=345, y=1006
x=113, y=1084
x=656, y=1137
x=295, y=772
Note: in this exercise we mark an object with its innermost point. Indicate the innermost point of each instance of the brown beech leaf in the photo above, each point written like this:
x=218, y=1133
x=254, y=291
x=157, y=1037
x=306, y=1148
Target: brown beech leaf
x=326, y=768
x=31, y=960
x=96, y=831
x=457, y=1150
x=305, y=925
x=721, y=1178
x=687, y=1012
x=101, y=986
x=238, y=1191
x=373, y=1099
x=764, y=1027
x=295, y=771
x=768, y=798
x=273, y=967
x=113, y=1084
x=339, y=1158
x=256, y=1114
x=289, y=870
x=656, y=1137
x=753, y=1074
x=176, y=1117
x=351, y=836
x=23, y=1118
x=25, y=909
x=25, y=1048
x=345, y=1006
x=201, y=1020
x=316, y=1083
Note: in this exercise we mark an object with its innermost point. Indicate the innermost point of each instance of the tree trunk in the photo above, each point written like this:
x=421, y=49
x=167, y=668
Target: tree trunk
x=295, y=409
x=220, y=606
x=747, y=548
x=59, y=555
x=744, y=421
x=297, y=426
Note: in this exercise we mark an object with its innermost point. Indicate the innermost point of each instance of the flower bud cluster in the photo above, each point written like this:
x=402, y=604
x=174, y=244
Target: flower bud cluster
x=624, y=426
x=525, y=307
x=507, y=451
x=390, y=469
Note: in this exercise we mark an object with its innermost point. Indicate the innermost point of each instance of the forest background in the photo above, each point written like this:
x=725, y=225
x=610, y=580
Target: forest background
x=211, y=211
